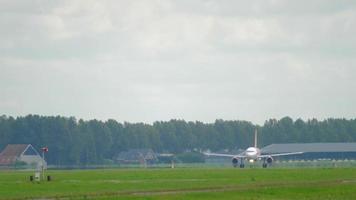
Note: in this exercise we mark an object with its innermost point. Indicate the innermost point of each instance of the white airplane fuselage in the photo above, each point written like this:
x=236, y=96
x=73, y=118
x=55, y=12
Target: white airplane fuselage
x=252, y=153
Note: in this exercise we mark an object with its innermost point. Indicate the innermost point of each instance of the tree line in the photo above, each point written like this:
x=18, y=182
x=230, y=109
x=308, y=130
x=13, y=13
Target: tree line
x=80, y=142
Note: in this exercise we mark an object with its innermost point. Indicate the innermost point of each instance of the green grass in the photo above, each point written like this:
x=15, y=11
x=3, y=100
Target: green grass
x=184, y=183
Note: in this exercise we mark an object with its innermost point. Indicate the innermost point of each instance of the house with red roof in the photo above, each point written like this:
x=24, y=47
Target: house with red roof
x=20, y=153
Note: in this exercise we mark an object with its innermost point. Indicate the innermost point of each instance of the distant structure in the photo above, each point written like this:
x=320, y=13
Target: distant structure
x=312, y=151
x=134, y=156
x=22, y=154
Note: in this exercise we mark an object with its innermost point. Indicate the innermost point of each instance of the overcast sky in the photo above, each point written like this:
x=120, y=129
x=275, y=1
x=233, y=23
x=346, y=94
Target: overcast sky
x=149, y=60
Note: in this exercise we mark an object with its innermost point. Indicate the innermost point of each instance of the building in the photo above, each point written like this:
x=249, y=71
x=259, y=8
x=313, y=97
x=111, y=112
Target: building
x=20, y=154
x=142, y=156
x=312, y=151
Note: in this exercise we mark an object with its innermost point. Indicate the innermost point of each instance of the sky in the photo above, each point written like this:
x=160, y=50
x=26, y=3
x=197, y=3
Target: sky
x=197, y=60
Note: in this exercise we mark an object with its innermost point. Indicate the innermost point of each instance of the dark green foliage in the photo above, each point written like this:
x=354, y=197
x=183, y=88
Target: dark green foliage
x=191, y=157
x=19, y=163
x=79, y=142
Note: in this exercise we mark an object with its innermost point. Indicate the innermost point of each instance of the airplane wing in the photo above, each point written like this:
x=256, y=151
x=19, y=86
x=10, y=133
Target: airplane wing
x=279, y=154
x=225, y=155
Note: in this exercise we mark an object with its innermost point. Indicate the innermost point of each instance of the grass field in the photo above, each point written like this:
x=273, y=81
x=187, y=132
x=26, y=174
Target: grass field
x=184, y=183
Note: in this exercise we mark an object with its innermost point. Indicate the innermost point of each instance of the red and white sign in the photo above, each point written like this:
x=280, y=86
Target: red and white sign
x=44, y=149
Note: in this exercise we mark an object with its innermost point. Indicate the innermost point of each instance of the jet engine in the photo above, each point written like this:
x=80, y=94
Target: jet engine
x=269, y=160
x=235, y=162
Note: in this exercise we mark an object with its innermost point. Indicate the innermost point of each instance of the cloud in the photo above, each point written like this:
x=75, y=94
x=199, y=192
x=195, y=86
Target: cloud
x=198, y=60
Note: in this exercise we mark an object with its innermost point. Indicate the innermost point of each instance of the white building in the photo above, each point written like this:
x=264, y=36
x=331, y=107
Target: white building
x=17, y=153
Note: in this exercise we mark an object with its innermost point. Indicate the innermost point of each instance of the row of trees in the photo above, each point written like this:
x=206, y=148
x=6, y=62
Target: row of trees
x=80, y=142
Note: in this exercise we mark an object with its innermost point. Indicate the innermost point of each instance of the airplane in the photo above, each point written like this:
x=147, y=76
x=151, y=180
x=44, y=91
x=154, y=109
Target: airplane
x=252, y=154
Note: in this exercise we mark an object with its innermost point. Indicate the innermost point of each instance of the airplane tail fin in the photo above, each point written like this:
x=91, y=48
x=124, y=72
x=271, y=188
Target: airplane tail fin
x=256, y=137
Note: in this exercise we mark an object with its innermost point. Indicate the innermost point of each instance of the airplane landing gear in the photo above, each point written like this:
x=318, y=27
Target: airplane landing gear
x=264, y=165
x=242, y=165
